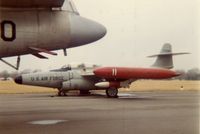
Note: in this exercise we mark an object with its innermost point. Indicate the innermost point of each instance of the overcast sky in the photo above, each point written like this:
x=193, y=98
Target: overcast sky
x=135, y=29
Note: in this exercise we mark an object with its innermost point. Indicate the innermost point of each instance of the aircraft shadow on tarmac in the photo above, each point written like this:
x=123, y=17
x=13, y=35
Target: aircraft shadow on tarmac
x=121, y=96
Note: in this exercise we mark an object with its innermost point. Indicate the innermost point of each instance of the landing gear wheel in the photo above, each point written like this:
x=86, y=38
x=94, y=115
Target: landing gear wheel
x=84, y=92
x=112, y=92
x=61, y=93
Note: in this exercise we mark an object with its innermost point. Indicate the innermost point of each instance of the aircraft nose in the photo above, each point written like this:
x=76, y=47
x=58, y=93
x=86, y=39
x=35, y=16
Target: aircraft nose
x=85, y=31
x=18, y=80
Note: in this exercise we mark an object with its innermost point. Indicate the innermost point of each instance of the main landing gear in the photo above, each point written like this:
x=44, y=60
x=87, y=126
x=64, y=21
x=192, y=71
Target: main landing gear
x=61, y=92
x=112, y=92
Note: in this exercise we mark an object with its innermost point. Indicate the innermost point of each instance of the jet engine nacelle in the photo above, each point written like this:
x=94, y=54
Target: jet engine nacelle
x=78, y=84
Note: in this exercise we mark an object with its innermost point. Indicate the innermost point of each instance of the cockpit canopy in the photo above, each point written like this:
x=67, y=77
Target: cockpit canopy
x=80, y=65
x=77, y=66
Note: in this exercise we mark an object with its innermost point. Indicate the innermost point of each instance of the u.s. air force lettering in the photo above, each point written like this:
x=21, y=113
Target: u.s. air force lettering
x=46, y=78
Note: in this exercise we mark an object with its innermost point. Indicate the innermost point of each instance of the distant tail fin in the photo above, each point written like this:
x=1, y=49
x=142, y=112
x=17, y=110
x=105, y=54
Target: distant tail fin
x=165, y=59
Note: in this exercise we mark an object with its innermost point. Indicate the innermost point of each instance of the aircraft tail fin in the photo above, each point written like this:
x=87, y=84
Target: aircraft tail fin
x=165, y=57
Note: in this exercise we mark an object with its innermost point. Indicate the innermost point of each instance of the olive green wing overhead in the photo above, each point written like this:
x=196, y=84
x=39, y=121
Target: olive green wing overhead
x=31, y=3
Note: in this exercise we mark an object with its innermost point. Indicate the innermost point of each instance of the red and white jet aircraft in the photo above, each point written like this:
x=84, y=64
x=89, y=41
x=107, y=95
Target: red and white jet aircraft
x=103, y=78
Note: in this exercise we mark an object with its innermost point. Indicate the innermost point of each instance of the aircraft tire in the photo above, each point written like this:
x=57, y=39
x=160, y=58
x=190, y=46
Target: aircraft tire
x=112, y=92
x=61, y=93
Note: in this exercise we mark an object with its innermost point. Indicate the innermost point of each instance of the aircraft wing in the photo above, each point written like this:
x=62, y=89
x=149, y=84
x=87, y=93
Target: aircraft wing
x=87, y=74
x=90, y=76
x=39, y=56
x=36, y=51
x=42, y=50
x=31, y=3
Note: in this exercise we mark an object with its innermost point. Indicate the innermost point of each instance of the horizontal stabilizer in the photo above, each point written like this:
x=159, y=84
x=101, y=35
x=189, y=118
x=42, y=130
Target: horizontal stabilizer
x=165, y=54
x=42, y=50
x=31, y=3
x=164, y=59
x=39, y=56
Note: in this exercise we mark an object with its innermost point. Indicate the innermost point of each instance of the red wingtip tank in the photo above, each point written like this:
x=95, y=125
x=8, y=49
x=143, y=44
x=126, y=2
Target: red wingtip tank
x=134, y=73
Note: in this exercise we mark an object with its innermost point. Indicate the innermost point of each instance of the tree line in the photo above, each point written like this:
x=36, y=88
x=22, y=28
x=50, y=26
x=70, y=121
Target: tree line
x=5, y=75
x=191, y=74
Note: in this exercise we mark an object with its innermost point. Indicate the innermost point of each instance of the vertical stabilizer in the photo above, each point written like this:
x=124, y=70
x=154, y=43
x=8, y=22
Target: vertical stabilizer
x=164, y=58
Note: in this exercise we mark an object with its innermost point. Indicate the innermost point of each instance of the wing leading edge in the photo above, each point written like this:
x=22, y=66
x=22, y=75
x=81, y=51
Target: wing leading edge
x=31, y=3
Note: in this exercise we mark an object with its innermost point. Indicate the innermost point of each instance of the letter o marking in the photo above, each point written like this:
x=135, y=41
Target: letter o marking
x=3, y=31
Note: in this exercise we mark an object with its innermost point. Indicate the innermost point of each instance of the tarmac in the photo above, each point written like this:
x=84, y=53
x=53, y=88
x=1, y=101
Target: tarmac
x=132, y=113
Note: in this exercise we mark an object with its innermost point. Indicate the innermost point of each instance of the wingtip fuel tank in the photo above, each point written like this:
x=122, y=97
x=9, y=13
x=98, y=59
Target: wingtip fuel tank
x=124, y=73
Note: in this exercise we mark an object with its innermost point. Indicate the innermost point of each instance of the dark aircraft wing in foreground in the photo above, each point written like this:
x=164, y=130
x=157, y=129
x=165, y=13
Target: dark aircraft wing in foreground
x=34, y=26
x=31, y=3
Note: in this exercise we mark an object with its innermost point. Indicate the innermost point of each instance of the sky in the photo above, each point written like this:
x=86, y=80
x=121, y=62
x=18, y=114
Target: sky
x=135, y=30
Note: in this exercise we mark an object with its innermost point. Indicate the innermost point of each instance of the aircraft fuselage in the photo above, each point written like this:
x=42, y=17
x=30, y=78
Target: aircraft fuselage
x=50, y=30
